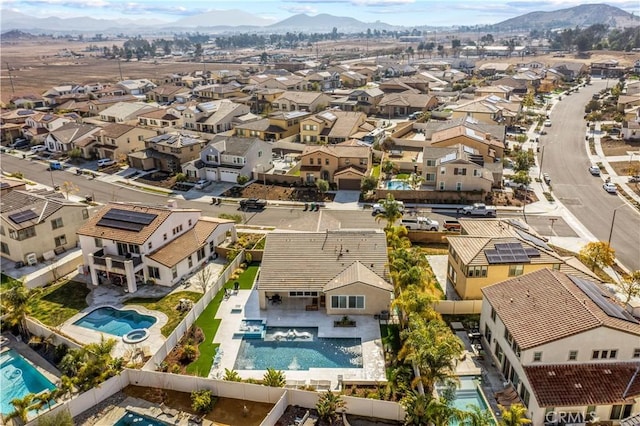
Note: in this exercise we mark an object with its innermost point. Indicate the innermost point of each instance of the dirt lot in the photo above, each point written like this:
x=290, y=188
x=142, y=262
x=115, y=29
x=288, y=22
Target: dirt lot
x=283, y=193
x=612, y=147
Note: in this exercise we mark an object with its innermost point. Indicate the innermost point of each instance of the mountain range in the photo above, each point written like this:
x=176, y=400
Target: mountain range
x=222, y=21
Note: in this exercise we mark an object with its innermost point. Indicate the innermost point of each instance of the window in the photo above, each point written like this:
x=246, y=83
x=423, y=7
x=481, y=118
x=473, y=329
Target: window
x=508, y=337
x=25, y=233
x=487, y=333
x=515, y=270
x=619, y=412
x=153, y=272
x=493, y=314
x=201, y=254
x=556, y=266
x=441, y=186
x=97, y=242
x=636, y=353
x=573, y=355
x=56, y=223
x=431, y=163
x=477, y=271
x=347, y=302
x=164, y=237
x=1, y=230
x=212, y=247
x=477, y=173
x=363, y=161
x=326, y=162
x=190, y=260
x=443, y=170
x=60, y=241
x=458, y=186
x=303, y=294
x=525, y=395
x=613, y=353
x=149, y=245
x=189, y=223
x=311, y=161
x=174, y=272
x=431, y=177
x=459, y=171
x=595, y=354
x=4, y=248
x=537, y=356
x=259, y=154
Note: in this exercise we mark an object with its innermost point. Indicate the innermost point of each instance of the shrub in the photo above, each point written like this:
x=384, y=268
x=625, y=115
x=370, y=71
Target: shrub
x=188, y=353
x=176, y=369
x=202, y=401
x=242, y=179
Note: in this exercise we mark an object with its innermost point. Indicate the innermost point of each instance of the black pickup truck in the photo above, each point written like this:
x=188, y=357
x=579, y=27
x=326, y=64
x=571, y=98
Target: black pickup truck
x=253, y=204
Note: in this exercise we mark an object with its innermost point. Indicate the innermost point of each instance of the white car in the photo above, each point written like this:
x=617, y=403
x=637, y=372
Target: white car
x=38, y=148
x=201, y=184
x=378, y=208
x=547, y=123
x=610, y=187
x=594, y=170
x=104, y=162
x=511, y=184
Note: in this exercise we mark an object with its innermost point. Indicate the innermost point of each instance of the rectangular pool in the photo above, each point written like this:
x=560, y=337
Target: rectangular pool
x=288, y=348
x=468, y=394
x=115, y=321
x=18, y=378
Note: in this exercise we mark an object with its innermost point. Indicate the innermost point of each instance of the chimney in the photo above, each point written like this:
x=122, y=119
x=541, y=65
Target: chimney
x=172, y=204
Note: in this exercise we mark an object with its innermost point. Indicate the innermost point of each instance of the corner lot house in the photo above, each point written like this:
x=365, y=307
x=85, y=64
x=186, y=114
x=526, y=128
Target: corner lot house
x=35, y=226
x=565, y=346
x=342, y=272
x=130, y=244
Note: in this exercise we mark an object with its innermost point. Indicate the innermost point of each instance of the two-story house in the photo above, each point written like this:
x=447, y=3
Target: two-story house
x=469, y=134
x=226, y=158
x=167, y=152
x=492, y=250
x=364, y=100
x=214, y=92
x=128, y=244
x=125, y=112
x=343, y=164
x=401, y=104
x=333, y=126
x=34, y=227
x=569, y=350
x=459, y=169
x=118, y=140
x=73, y=135
x=168, y=93
x=161, y=118
x=136, y=87
x=353, y=79
x=37, y=126
x=301, y=101
x=287, y=82
x=96, y=106
x=278, y=125
x=324, y=81
x=215, y=116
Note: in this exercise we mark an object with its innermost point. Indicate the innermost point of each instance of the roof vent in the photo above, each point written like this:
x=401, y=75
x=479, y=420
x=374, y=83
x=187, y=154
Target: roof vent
x=551, y=373
x=577, y=386
x=607, y=371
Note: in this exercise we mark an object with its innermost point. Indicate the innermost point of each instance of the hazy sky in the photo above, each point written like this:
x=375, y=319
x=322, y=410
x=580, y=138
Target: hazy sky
x=396, y=12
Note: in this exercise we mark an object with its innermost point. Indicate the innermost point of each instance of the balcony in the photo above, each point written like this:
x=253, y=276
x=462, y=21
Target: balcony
x=117, y=261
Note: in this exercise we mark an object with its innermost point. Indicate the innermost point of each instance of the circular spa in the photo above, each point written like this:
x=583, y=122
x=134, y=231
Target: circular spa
x=136, y=336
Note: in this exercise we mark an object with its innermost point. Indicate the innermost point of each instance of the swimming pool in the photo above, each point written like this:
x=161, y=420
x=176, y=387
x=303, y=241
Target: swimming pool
x=468, y=394
x=130, y=419
x=115, y=321
x=287, y=348
x=398, y=185
x=18, y=378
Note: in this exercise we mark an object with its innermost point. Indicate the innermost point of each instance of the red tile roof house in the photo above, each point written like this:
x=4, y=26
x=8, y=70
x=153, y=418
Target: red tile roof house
x=566, y=346
x=128, y=244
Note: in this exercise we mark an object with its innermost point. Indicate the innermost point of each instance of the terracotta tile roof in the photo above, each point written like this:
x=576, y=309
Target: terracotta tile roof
x=357, y=273
x=115, y=130
x=545, y=305
x=186, y=244
x=584, y=384
x=310, y=260
x=91, y=229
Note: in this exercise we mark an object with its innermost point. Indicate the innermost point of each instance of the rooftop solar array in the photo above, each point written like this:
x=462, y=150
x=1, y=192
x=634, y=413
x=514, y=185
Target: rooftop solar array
x=126, y=219
x=510, y=253
x=603, y=301
x=533, y=240
x=23, y=216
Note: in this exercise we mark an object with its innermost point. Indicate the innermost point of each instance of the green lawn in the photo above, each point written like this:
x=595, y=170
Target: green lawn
x=375, y=171
x=209, y=323
x=59, y=302
x=402, y=176
x=167, y=305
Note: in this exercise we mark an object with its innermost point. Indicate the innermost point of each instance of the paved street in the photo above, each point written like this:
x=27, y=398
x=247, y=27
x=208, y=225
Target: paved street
x=566, y=160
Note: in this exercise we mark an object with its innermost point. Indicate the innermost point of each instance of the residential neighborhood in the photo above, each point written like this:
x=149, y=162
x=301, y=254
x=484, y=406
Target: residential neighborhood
x=246, y=229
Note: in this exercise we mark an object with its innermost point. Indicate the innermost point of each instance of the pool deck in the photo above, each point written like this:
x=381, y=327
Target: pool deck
x=244, y=305
x=49, y=371
x=148, y=409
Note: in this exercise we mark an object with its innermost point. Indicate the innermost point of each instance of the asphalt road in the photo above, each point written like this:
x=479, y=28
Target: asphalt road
x=566, y=160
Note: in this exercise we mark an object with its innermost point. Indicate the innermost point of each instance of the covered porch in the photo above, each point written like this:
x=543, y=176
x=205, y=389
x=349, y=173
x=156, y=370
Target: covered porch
x=298, y=300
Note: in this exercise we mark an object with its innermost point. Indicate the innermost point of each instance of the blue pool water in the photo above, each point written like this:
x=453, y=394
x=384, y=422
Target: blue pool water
x=285, y=348
x=18, y=378
x=398, y=185
x=115, y=321
x=468, y=394
x=131, y=419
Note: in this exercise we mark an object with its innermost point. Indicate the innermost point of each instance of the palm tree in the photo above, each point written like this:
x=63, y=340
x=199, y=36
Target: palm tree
x=17, y=299
x=391, y=211
x=397, y=238
x=21, y=407
x=514, y=415
x=439, y=412
x=328, y=405
x=65, y=386
x=274, y=378
x=47, y=397
x=103, y=348
x=476, y=416
x=231, y=376
x=415, y=407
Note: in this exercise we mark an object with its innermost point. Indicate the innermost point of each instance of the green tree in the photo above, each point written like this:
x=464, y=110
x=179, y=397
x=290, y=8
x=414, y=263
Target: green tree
x=391, y=211
x=181, y=177
x=274, y=378
x=328, y=405
x=476, y=416
x=524, y=161
x=60, y=418
x=529, y=99
x=202, y=401
x=514, y=415
x=16, y=301
x=242, y=179
x=433, y=348
x=415, y=407
x=368, y=183
x=388, y=167
x=522, y=178
x=598, y=253
x=75, y=154
x=21, y=407
x=323, y=186
x=189, y=353
x=47, y=397
x=231, y=376
x=630, y=286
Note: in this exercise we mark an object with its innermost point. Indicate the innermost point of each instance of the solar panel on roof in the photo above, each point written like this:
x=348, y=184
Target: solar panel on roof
x=502, y=246
x=23, y=216
x=603, y=301
x=533, y=240
x=118, y=224
x=130, y=216
x=531, y=252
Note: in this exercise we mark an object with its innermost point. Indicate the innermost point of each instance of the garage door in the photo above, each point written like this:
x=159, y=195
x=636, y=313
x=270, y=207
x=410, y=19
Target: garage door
x=352, y=184
x=229, y=176
x=211, y=175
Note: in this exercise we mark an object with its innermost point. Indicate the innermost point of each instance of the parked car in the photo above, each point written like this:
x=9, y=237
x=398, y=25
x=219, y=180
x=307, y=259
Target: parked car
x=420, y=224
x=479, y=209
x=511, y=184
x=19, y=143
x=378, y=208
x=38, y=148
x=104, y=162
x=546, y=178
x=547, y=123
x=201, y=184
x=452, y=225
x=594, y=170
x=634, y=179
x=610, y=187
x=253, y=204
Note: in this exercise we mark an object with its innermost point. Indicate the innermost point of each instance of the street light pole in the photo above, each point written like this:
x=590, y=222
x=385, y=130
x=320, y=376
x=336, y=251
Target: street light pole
x=613, y=220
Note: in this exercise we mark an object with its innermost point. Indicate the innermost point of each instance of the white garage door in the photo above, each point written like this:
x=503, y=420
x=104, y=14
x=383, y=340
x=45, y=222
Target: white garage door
x=211, y=175
x=228, y=176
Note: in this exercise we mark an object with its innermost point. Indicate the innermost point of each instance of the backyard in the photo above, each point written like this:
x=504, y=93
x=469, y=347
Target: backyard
x=167, y=305
x=59, y=302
